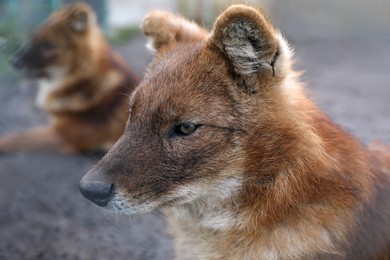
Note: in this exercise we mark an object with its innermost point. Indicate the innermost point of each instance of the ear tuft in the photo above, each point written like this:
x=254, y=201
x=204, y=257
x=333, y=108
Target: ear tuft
x=245, y=46
x=164, y=28
x=81, y=17
x=249, y=40
x=158, y=26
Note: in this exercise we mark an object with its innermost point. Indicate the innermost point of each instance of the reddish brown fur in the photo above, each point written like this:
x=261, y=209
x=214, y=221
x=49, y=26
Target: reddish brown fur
x=266, y=175
x=84, y=85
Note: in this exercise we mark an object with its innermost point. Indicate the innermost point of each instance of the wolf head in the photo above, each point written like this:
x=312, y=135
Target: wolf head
x=207, y=115
x=67, y=35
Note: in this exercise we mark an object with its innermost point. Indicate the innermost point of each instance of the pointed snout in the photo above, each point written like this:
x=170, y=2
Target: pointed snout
x=17, y=62
x=97, y=187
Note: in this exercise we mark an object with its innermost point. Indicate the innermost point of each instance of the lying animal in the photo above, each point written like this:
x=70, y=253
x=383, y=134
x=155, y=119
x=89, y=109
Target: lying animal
x=83, y=85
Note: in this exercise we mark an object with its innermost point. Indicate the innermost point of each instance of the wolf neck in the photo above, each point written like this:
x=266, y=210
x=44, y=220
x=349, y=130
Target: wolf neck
x=49, y=84
x=278, y=212
x=84, y=86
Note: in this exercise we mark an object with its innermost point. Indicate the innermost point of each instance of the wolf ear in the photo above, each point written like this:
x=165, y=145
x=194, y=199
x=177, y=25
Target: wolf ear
x=81, y=18
x=164, y=28
x=251, y=44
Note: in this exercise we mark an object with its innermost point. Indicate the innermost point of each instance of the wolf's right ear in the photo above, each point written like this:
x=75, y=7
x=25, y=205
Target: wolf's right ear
x=164, y=29
x=250, y=42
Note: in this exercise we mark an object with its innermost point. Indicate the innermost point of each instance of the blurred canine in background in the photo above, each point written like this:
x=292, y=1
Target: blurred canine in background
x=222, y=135
x=83, y=85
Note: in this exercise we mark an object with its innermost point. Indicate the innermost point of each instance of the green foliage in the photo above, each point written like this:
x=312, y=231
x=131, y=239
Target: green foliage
x=10, y=42
x=123, y=35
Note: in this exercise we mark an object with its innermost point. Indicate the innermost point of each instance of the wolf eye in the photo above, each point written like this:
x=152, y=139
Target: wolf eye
x=46, y=46
x=185, y=128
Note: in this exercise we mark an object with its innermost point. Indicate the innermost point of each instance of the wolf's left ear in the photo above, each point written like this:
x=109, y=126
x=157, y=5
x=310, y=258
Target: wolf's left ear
x=250, y=42
x=166, y=29
x=82, y=18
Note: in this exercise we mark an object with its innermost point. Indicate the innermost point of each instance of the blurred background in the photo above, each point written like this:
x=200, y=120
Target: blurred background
x=299, y=20
x=344, y=47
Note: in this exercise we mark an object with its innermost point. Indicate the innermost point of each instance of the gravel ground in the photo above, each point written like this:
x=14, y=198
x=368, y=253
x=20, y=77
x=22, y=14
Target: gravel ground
x=43, y=215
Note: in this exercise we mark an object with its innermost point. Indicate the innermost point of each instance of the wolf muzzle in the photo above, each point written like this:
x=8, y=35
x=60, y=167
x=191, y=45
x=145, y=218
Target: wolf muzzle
x=97, y=187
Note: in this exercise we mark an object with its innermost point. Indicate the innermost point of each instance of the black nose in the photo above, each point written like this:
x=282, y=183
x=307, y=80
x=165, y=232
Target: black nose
x=17, y=62
x=97, y=187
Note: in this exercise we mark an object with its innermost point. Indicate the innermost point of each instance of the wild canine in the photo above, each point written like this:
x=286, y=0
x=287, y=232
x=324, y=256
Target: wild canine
x=222, y=136
x=83, y=85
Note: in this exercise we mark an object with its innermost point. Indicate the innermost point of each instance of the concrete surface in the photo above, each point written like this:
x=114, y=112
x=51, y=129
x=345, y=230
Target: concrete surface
x=300, y=19
x=43, y=215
